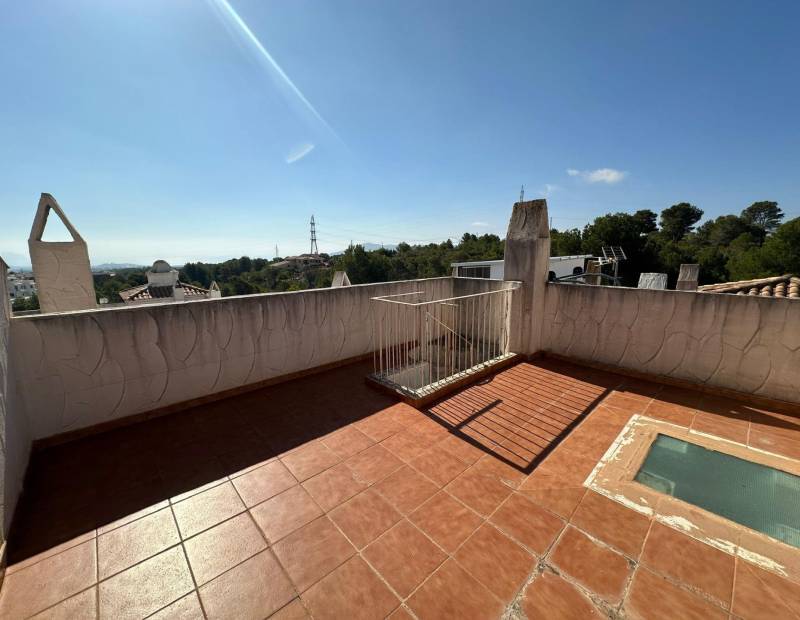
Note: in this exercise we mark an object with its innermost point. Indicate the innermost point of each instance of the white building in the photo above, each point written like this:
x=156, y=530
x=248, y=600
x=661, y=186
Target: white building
x=20, y=287
x=559, y=265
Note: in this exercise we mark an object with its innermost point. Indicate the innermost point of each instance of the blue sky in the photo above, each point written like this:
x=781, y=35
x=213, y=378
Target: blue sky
x=165, y=132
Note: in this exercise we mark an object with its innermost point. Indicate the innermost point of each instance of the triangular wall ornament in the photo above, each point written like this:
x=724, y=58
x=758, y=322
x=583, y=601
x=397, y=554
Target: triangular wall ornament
x=340, y=279
x=61, y=268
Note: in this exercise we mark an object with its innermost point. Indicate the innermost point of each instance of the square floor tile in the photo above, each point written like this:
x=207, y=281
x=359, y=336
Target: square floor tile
x=698, y=565
x=206, y=509
x=264, y=482
x=223, y=546
x=405, y=446
x=439, y=465
x=496, y=561
x=334, y=486
x=480, y=492
x=351, y=591
x=446, y=521
x=527, y=523
x=611, y=522
x=292, y=611
x=597, y=568
x=406, y=489
x=550, y=596
x=761, y=594
x=379, y=426
x=347, y=442
x=405, y=557
x=309, y=460
x=53, y=579
x=374, y=464
x=365, y=517
x=721, y=426
x=313, y=551
x=256, y=588
x=451, y=592
x=147, y=587
x=506, y=473
x=284, y=513
x=82, y=605
x=652, y=596
x=461, y=449
x=186, y=608
x=136, y=541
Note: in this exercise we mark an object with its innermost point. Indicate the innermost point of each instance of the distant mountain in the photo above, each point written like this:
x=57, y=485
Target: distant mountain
x=114, y=266
x=370, y=247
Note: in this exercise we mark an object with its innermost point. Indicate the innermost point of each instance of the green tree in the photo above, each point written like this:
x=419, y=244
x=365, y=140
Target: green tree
x=21, y=304
x=679, y=219
x=764, y=214
x=565, y=243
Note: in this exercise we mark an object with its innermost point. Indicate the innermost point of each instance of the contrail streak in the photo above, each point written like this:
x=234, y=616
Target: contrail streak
x=224, y=4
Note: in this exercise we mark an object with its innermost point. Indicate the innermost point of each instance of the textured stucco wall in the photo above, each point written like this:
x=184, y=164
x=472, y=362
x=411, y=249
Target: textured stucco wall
x=83, y=368
x=14, y=440
x=749, y=344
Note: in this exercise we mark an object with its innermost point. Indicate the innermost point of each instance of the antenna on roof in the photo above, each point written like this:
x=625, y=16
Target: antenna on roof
x=521, y=193
x=314, y=248
x=613, y=254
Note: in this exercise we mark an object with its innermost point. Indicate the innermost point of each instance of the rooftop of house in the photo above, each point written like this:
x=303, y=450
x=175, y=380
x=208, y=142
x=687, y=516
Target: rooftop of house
x=151, y=291
x=322, y=497
x=777, y=286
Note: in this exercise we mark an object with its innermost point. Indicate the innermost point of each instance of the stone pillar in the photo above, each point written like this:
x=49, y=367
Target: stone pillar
x=61, y=268
x=688, y=277
x=527, y=259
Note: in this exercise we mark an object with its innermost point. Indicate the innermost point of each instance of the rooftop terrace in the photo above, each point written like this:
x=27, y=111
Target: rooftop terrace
x=226, y=458
x=300, y=500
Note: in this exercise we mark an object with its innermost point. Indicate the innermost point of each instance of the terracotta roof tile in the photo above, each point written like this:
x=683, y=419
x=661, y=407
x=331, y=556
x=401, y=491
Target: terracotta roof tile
x=148, y=291
x=779, y=286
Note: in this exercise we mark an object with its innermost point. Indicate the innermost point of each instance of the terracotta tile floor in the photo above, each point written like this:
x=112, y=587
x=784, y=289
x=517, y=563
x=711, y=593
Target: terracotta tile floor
x=323, y=498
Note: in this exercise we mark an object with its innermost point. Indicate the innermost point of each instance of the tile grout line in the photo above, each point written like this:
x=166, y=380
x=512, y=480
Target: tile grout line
x=188, y=563
x=269, y=547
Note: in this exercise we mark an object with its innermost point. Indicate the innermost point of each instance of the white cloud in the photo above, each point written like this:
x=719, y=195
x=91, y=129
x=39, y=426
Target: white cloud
x=610, y=176
x=298, y=152
x=549, y=189
x=480, y=224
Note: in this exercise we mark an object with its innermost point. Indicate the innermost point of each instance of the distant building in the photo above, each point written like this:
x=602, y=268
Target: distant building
x=20, y=286
x=303, y=260
x=495, y=269
x=163, y=285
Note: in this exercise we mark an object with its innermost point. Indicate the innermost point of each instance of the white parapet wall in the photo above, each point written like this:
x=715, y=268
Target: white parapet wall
x=743, y=343
x=78, y=369
x=14, y=438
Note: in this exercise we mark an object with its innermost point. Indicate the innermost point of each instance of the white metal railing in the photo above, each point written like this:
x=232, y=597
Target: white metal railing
x=423, y=344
